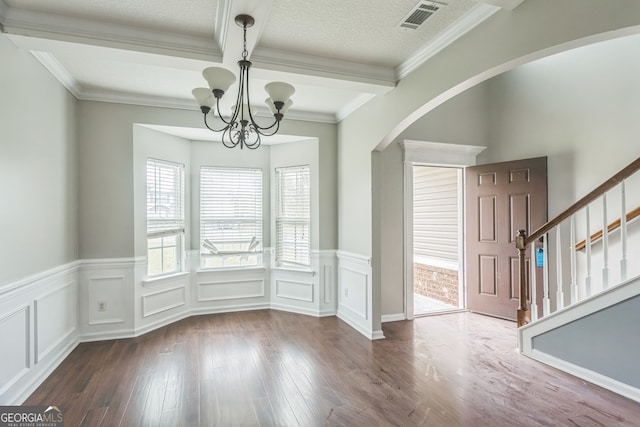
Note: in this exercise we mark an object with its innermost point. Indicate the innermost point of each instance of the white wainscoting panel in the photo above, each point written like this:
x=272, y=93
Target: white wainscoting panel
x=16, y=354
x=328, y=284
x=38, y=329
x=355, y=298
x=327, y=264
x=164, y=300
x=355, y=291
x=230, y=289
x=294, y=290
x=106, y=300
x=55, y=319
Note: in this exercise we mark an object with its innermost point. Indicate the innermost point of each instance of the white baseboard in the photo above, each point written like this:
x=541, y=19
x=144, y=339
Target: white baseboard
x=393, y=317
x=294, y=309
x=118, y=334
x=44, y=369
x=587, y=375
x=229, y=309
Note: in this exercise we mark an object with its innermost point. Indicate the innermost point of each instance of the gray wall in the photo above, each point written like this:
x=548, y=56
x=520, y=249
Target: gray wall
x=38, y=168
x=606, y=342
x=106, y=173
x=578, y=108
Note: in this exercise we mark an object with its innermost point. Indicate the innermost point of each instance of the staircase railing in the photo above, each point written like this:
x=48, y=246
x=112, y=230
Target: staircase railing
x=528, y=286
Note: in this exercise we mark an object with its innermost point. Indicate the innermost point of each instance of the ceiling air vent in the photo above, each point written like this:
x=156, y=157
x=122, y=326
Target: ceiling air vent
x=420, y=13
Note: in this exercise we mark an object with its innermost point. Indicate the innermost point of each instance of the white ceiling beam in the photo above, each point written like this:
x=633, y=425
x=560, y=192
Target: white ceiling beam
x=366, y=78
x=85, y=31
x=231, y=42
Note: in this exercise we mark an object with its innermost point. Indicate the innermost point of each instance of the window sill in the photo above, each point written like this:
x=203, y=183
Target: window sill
x=166, y=278
x=260, y=268
x=292, y=270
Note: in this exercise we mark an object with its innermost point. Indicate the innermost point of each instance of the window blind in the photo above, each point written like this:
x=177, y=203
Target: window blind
x=230, y=206
x=165, y=198
x=293, y=215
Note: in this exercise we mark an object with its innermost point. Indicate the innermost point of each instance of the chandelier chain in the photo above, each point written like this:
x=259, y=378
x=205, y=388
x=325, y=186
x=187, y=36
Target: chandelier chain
x=245, y=53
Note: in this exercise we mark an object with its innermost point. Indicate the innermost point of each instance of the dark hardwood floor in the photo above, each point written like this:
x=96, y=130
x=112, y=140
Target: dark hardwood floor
x=277, y=368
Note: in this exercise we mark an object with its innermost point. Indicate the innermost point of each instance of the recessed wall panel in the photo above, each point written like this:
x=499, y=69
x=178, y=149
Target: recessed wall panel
x=106, y=300
x=353, y=291
x=14, y=330
x=226, y=290
x=299, y=291
x=55, y=318
x=163, y=300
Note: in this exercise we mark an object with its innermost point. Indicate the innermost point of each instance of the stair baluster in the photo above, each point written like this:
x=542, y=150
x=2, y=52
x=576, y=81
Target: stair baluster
x=546, y=304
x=587, y=279
x=605, y=243
x=623, y=232
x=574, y=269
x=559, y=281
x=534, y=283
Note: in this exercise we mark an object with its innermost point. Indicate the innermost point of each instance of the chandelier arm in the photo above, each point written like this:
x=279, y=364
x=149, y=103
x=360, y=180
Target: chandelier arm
x=227, y=123
x=262, y=132
x=261, y=129
x=228, y=143
x=212, y=129
x=237, y=112
x=257, y=140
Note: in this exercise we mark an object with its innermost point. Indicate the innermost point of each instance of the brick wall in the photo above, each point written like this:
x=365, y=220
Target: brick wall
x=435, y=282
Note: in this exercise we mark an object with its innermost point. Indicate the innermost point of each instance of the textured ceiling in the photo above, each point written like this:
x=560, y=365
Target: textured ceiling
x=194, y=17
x=356, y=30
x=337, y=53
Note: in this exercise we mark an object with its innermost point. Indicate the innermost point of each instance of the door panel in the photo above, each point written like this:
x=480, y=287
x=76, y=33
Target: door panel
x=501, y=198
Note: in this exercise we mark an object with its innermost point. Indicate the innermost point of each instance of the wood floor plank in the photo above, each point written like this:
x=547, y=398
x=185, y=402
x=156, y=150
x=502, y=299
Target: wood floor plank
x=275, y=368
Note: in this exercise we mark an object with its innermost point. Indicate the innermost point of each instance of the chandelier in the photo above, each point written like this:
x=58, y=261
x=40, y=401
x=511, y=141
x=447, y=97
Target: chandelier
x=241, y=128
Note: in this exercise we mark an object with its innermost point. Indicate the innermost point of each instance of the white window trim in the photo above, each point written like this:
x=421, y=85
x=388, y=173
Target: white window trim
x=178, y=231
x=225, y=254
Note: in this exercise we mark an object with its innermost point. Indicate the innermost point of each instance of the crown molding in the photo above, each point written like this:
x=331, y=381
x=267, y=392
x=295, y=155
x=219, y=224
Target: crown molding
x=466, y=23
x=311, y=116
x=187, y=104
x=50, y=62
x=378, y=79
x=92, y=32
x=114, y=97
x=66, y=79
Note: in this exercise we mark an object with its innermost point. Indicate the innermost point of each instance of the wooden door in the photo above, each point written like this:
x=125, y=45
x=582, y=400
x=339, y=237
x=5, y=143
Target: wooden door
x=501, y=198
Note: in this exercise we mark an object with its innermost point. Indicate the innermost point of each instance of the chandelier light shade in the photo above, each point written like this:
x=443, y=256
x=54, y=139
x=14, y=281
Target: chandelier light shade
x=241, y=128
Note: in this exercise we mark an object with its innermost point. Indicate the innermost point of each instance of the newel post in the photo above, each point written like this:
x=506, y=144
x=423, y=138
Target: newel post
x=523, y=310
